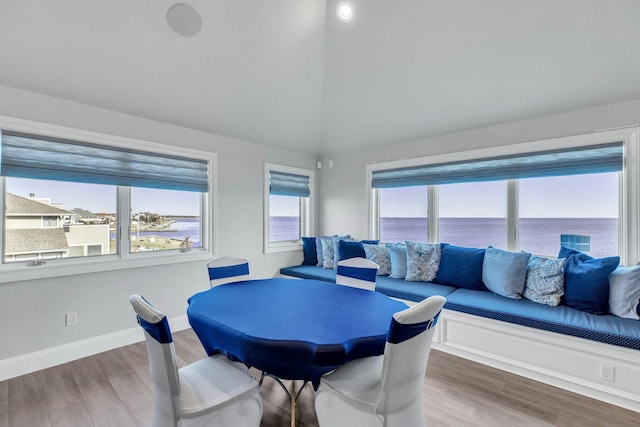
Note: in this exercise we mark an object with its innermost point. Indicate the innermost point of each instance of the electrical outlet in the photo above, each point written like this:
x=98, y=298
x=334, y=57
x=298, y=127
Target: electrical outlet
x=71, y=319
x=607, y=372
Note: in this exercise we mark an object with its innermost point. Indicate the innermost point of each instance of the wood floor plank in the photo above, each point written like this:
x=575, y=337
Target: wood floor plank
x=60, y=388
x=105, y=407
x=4, y=391
x=136, y=396
x=27, y=402
x=73, y=415
x=113, y=363
x=4, y=413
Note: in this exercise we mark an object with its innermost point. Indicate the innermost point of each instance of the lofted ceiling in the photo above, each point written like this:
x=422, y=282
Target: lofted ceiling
x=288, y=73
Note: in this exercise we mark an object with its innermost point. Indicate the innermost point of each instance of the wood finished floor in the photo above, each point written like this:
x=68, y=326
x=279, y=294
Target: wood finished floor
x=113, y=389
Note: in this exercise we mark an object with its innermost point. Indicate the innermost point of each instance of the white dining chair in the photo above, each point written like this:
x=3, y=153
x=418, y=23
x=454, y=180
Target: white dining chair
x=211, y=391
x=384, y=391
x=358, y=273
x=227, y=269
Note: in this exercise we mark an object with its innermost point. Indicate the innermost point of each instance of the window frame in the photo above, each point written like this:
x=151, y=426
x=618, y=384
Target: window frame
x=628, y=188
x=306, y=209
x=123, y=259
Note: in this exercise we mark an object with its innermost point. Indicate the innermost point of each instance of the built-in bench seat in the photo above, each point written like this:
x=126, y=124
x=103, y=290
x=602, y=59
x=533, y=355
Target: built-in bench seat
x=558, y=345
x=607, y=329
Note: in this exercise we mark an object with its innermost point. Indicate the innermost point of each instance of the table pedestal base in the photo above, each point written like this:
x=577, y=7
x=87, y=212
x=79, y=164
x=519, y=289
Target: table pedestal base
x=293, y=396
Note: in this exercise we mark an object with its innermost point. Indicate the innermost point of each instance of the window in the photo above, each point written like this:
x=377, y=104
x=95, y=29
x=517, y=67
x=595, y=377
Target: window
x=73, y=199
x=577, y=205
x=403, y=214
x=473, y=214
x=531, y=196
x=288, y=207
x=165, y=220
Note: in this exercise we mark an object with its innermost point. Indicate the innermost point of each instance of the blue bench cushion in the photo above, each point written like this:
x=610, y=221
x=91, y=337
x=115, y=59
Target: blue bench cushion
x=607, y=329
x=410, y=291
x=310, y=272
x=397, y=288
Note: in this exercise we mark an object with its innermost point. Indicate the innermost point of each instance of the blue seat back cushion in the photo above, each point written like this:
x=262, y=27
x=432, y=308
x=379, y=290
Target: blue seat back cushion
x=398, y=255
x=461, y=267
x=348, y=250
x=566, y=252
x=505, y=272
x=351, y=249
x=309, y=251
x=624, y=292
x=586, y=282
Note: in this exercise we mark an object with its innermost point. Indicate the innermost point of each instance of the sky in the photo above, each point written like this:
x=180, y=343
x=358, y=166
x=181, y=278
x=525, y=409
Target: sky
x=102, y=198
x=576, y=196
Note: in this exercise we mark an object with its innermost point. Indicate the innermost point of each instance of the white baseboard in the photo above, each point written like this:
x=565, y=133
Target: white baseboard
x=32, y=362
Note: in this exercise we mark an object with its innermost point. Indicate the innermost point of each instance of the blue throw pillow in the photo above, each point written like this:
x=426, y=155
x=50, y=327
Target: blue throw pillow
x=398, y=256
x=309, y=251
x=566, y=252
x=423, y=261
x=461, y=267
x=348, y=249
x=352, y=249
x=624, y=292
x=586, y=282
x=504, y=272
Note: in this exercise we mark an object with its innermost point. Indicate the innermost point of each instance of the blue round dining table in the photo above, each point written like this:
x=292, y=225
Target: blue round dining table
x=293, y=329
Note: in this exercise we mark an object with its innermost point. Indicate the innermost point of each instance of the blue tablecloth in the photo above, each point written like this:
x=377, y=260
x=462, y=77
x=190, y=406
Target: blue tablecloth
x=293, y=329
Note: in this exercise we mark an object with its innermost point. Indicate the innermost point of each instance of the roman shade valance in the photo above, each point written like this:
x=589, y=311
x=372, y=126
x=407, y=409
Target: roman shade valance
x=580, y=160
x=288, y=184
x=38, y=157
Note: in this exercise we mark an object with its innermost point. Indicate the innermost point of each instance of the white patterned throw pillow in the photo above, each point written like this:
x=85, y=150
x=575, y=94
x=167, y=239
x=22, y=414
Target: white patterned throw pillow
x=327, y=252
x=545, y=280
x=423, y=261
x=380, y=255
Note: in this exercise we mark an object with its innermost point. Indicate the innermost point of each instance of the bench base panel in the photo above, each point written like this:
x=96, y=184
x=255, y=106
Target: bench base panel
x=563, y=361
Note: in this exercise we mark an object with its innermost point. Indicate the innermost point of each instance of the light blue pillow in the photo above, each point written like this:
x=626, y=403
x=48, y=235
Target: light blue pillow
x=398, y=256
x=380, y=255
x=624, y=292
x=545, y=280
x=504, y=272
x=423, y=261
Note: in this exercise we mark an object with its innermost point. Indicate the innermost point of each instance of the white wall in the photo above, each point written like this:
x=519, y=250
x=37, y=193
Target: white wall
x=32, y=313
x=343, y=207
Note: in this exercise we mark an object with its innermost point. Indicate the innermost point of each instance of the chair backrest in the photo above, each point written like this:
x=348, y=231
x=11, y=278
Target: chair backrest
x=357, y=272
x=227, y=269
x=162, y=358
x=406, y=354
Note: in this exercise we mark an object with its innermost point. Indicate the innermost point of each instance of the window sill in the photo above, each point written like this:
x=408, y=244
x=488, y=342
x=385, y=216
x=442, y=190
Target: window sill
x=282, y=247
x=57, y=268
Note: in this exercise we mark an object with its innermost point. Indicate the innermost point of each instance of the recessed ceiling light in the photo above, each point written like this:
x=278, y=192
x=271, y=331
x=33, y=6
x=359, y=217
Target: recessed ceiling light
x=184, y=20
x=345, y=11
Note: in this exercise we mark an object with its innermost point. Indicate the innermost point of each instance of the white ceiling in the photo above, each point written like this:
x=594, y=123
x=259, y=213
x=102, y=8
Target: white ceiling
x=287, y=73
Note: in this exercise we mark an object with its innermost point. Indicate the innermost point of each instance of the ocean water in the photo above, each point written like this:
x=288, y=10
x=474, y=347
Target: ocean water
x=181, y=228
x=284, y=228
x=540, y=236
